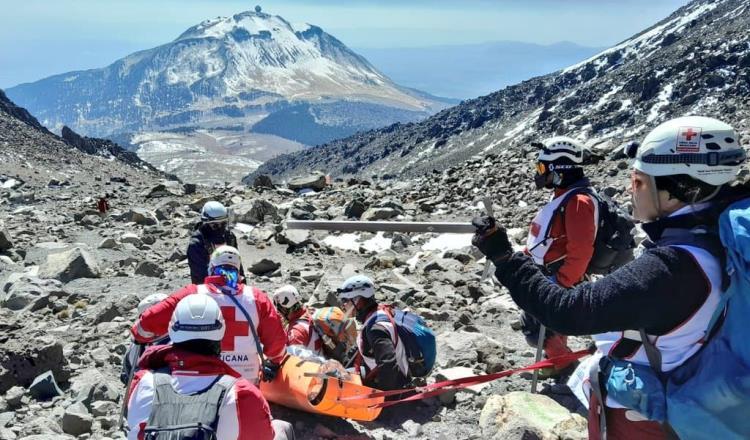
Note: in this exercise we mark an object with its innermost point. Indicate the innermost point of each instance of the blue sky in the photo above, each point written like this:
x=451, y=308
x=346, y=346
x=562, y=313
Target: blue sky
x=39, y=38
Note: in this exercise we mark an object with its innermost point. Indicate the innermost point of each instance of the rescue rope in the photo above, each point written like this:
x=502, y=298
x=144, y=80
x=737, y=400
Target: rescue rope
x=445, y=386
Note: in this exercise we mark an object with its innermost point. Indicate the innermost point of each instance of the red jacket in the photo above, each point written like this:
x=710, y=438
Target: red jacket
x=576, y=223
x=238, y=346
x=243, y=413
x=302, y=332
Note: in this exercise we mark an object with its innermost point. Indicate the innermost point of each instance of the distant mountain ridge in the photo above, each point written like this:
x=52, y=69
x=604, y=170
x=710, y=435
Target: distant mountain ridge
x=221, y=72
x=694, y=62
x=92, y=146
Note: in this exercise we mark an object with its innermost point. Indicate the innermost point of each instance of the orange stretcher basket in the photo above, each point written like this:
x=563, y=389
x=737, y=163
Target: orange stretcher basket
x=300, y=385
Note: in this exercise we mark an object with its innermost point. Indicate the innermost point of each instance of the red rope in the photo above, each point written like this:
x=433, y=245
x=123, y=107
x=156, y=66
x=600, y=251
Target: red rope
x=464, y=382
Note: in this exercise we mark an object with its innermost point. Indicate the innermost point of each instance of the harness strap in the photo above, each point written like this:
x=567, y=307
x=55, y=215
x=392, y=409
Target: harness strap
x=250, y=324
x=600, y=394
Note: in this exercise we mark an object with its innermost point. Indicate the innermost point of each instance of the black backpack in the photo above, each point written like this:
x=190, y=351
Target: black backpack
x=614, y=243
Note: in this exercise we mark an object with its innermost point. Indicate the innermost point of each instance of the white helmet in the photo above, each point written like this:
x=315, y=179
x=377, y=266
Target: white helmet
x=225, y=255
x=196, y=316
x=358, y=285
x=286, y=296
x=214, y=212
x=560, y=147
x=705, y=149
x=149, y=301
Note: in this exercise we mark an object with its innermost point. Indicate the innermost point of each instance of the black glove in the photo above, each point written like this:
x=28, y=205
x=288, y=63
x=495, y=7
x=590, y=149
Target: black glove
x=270, y=369
x=491, y=239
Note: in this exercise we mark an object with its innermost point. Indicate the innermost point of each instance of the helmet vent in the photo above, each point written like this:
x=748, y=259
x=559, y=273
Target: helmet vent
x=713, y=146
x=729, y=140
x=707, y=136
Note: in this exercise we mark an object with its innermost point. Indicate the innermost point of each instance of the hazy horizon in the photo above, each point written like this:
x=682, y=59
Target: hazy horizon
x=40, y=38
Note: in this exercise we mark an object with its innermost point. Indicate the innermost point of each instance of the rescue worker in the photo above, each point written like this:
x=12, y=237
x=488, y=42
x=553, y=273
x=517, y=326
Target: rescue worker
x=385, y=361
x=240, y=304
x=561, y=236
x=300, y=329
x=102, y=205
x=130, y=360
x=210, y=233
x=679, y=186
x=185, y=389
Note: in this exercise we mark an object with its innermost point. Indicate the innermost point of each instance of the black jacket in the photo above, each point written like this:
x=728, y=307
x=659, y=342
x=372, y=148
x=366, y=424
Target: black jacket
x=377, y=343
x=657, y=291
x=199, y=252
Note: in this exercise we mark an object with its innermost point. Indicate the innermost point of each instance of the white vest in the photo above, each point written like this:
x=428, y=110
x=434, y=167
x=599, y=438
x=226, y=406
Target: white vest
x=675, y=347
x=684, y=340
x=537, y=244
x=238, y=348
x=401, y=359
x=313, y=344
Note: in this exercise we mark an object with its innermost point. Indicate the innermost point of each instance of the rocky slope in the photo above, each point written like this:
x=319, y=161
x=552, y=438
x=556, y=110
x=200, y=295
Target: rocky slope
x=70, y=281
x=696, y=61
x=228, y=71
x=33, y=133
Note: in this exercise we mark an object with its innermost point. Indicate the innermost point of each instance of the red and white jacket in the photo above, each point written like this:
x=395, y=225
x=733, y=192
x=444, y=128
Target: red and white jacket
x=238, y=348
x=302, y=332
x=243, y=414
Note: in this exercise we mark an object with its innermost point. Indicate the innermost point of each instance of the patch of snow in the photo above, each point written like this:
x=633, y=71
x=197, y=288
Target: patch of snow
x=351, y=242
x=662, y=100
x=243, y=228
x=447, y=242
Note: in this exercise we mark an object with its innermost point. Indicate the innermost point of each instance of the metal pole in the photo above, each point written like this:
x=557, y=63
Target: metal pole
x=384, y=226
x=539, y=352
x=488, y=264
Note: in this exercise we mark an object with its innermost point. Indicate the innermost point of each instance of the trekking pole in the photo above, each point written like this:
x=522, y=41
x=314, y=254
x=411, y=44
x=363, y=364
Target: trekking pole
x=488, y=264
x=131, y=374
x=539, y=352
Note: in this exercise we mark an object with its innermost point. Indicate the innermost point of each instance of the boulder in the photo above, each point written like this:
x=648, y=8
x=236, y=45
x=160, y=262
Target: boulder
x=108, y=243
x=166, y=189
x=139, y=216
x=149, y=269
x=76, y=420
x=44, y=387
x=355, y=208
x=294, y=237
x=263, y=181
x=131, y=238
x=256, y=213
x=382, y=213
x=524, y=415
x=316, y=181
x=5, y=242
x=14, y=396
x=21, y=362
x=30, y=292
x=69, y=265
x=263, y=266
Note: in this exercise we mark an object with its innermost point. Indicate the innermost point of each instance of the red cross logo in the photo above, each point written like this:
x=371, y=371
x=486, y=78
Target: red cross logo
x=234, y=328
x=689, y=134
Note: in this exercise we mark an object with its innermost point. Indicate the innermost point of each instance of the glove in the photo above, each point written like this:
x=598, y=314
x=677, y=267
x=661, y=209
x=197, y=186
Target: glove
x=270, y=369
x=491, y=239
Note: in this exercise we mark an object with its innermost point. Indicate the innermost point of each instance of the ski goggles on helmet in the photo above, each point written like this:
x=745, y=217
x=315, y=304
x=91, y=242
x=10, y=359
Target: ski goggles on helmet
x=230, y=274
x=355, y=288
x=218, y=225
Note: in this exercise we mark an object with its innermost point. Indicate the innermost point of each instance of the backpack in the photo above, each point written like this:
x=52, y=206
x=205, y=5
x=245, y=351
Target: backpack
x=614, y=243
x=708, y=396
x=418, y=339
x=176, y=416
x=339, y=334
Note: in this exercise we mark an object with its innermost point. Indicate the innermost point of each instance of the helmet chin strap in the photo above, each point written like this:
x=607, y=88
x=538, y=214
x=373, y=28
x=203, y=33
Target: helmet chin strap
x=655, y=197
